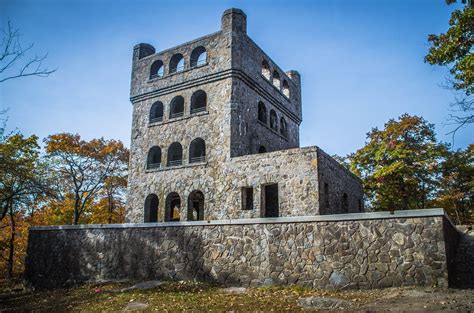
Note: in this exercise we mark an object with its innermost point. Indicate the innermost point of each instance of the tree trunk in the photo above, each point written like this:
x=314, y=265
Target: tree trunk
x=111, y=207
x=76, y=210
x=11, y=244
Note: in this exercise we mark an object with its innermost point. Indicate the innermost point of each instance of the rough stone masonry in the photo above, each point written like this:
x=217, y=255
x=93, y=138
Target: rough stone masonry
x=215, y=135
x=364, y=250
x=225, y=194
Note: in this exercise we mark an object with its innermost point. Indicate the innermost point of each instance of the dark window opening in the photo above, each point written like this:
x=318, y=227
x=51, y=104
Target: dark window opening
x=283, y=127
x=247, y=198
x=156, y=112
x=177, y=107
x=262, y=149
x=154, y=158
x=176, y=63
x=326, y=196
x=286, y=89
x=276, y=79
x=157, y=69
x=270, y=200
x=198, y=56
x=197, y=151
x=273, y=120
x=262, y=112
x=345, y=203
x=198, y=102
x=196, y=206
x=175, y=154
x=151, y=209
x=173, y=207
x=266, y=69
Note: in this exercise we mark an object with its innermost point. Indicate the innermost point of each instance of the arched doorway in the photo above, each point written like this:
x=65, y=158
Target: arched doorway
x=196, y=206
x=151, y=209
x=173, y=206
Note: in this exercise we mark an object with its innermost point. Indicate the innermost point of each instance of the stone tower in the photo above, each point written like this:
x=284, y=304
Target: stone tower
x=215, y=135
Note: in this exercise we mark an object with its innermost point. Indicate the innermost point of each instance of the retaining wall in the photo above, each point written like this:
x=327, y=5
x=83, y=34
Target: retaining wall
x=364, y=250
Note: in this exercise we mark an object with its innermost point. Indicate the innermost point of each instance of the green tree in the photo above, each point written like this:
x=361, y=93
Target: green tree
x=456, y=185
x=454, y=50
x=399, y=165
x=22, y=182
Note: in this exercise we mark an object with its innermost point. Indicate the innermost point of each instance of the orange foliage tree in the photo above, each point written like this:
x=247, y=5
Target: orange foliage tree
x=87, y=169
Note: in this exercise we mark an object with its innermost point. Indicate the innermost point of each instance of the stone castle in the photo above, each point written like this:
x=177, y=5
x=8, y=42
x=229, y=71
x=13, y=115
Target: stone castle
x=215, y=139
x=215, y=135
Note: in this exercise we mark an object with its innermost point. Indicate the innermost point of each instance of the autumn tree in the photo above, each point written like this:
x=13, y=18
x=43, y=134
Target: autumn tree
x=399, y=165
x=23, y=180
x=454, y=50
x=86, y=166
x=456, y=185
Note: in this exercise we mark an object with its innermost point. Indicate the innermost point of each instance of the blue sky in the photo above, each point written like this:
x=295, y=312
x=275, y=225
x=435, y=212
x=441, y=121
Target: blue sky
x=361, y=62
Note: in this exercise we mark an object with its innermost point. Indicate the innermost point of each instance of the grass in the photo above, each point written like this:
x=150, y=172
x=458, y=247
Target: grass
x=170, y=297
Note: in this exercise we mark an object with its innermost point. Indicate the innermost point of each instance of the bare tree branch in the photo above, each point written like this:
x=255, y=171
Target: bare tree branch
x=14, y=61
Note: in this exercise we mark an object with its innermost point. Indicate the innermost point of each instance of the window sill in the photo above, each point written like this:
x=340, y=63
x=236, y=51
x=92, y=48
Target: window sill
x=272, y=130
x=154, y=79
x=170, y=168
x=176, y=119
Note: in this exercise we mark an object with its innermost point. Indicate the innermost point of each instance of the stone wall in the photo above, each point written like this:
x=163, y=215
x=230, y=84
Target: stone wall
x=366, y=250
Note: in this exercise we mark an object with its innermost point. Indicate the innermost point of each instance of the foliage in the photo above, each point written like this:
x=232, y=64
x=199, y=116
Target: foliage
x=454, y=49
x=85, y=166
x=456, y=186
x=23, y=184
x=399, y=165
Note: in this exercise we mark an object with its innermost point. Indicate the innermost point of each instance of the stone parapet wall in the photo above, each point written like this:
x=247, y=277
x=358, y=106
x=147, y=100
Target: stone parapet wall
x=366, y=250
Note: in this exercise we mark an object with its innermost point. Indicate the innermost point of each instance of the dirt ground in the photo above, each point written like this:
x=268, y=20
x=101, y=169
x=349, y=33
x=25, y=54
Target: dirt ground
x=191, y=296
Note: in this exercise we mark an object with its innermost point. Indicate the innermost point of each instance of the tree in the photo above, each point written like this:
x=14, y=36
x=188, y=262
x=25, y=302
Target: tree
x=15, y=61
x=456, y=188
x=399, y=165
x=85, y=166
x=454, y=50
x=22, y=181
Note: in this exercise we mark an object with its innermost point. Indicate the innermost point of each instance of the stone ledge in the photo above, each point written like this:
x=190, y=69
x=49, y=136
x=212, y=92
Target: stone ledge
x=270, y=220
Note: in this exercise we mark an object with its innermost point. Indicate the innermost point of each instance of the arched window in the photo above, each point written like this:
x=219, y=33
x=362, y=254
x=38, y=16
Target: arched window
x=266, y=69
x=262, y=112
x=286, y=89
x=176, y=63
x=197, y=151
x=177, y=107
x=151, y=209
x=198, y=102
x=273, y=120
x=283, y=127
x=345, y=203
x=173, y=207
x=175, y=154
x=196, y=206
x=154, y=158
x=157, y=69
x=276, y=79
x=262, y=149
x=198, y=56
x=156, y=112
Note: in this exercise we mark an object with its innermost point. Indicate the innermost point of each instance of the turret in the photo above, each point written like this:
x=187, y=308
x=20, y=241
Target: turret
x=234, y=20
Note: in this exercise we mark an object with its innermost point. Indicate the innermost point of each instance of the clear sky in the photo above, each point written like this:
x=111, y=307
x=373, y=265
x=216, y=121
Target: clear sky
x=361, y=61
